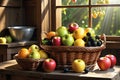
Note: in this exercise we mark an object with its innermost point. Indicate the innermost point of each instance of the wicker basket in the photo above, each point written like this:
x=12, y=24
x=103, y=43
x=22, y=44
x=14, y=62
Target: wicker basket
x=64, y=55
x=28, y=63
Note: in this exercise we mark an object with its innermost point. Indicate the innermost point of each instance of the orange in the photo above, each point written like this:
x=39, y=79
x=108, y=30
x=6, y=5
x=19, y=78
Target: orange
x=23, y=53
x=51, y=34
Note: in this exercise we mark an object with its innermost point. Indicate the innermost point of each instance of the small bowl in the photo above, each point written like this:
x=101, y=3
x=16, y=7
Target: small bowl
x=21, y=33
x=29, y=64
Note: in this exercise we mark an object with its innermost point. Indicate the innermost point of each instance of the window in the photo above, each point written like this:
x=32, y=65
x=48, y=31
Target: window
x=102, y=15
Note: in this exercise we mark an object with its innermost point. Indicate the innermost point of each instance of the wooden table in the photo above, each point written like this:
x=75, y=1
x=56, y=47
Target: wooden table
x=10, y=70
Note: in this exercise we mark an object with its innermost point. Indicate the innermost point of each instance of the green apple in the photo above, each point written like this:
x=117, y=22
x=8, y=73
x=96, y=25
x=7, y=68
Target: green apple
x=62, y=31
x=78, y=65
x=34, y=55
x=34, y=47
x=68, y=40
x=8, y=39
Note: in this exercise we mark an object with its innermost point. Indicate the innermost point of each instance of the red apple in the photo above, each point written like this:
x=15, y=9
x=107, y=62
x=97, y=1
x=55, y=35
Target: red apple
x=112, y=58
x=104, y=63
x=74, y=1
x=49, y=65
x=73, y=26
x=56, y=41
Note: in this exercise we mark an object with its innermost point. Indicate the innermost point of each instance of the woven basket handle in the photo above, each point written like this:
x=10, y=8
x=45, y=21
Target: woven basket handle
x=103, y=37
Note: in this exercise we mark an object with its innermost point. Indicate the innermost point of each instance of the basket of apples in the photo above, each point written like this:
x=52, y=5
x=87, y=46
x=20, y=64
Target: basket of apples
x=73, y=42
x=30, y=58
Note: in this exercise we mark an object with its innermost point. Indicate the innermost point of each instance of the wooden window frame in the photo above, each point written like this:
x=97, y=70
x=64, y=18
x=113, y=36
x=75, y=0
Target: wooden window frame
x=112, y=41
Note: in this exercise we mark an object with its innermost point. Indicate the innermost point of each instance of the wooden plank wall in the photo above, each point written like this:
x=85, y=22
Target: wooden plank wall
x=10, y=13
x=37, y=13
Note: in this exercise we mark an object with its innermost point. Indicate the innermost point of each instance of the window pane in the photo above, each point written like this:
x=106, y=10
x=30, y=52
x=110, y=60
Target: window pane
x=73, y=2
x=79, y=15
x=108, y=23
x=105, y=2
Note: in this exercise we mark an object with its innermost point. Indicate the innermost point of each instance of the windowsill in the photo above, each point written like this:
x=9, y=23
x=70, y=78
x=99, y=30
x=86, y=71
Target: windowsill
x=112, y=42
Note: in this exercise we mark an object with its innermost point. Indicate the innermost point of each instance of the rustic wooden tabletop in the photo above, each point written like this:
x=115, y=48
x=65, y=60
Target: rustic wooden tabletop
x=12, y=68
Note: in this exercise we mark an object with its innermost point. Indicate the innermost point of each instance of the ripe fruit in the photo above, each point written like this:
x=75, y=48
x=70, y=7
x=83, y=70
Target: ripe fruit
x=74, y=1
x=101, y=2
x=94, y=14
x=66, y=70
x=79, y=42
x=78, y=65
x=3, y=40
x=104, y=63
x=49, y=65
x=107, y=1
x=8, y=39
x=34, y=47
x=23, y=53
x=68, y=40
x=43, y=54
x=101, y=13
x=90, y=30
x=62, y=31
x=34, y=55
x=79, y=33
x=72, y=27
x=113, y=59
x=56, y=41
x=50, y=34
x=86, y=70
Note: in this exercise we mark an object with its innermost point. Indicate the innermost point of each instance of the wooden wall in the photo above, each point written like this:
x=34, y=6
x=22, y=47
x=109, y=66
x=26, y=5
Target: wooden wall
x=26, y=12
x=37, y=13
x=10, y=13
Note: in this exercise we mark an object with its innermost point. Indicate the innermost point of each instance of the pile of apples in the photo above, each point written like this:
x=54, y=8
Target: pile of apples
x=106, y=62
x=6, y=39
x=73, y=35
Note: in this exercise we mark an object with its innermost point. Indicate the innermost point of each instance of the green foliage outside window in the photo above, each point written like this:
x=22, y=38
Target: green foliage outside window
x=108, y=22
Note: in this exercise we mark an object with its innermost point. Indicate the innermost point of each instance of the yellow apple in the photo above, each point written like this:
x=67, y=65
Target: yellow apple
x=79, y=33
x=78, y=65
x=79, y=42
x=3, y=40
x=43, y=54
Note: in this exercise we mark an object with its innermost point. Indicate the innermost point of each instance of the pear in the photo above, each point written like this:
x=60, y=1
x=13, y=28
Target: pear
x=43, y=54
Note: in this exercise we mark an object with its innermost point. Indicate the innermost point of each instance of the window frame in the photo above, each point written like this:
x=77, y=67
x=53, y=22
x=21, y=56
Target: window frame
x=112, y=41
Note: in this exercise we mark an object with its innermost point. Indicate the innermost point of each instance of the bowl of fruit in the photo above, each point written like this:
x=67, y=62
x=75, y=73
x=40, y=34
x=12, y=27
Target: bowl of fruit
x=30, y=58
x=73, y=42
